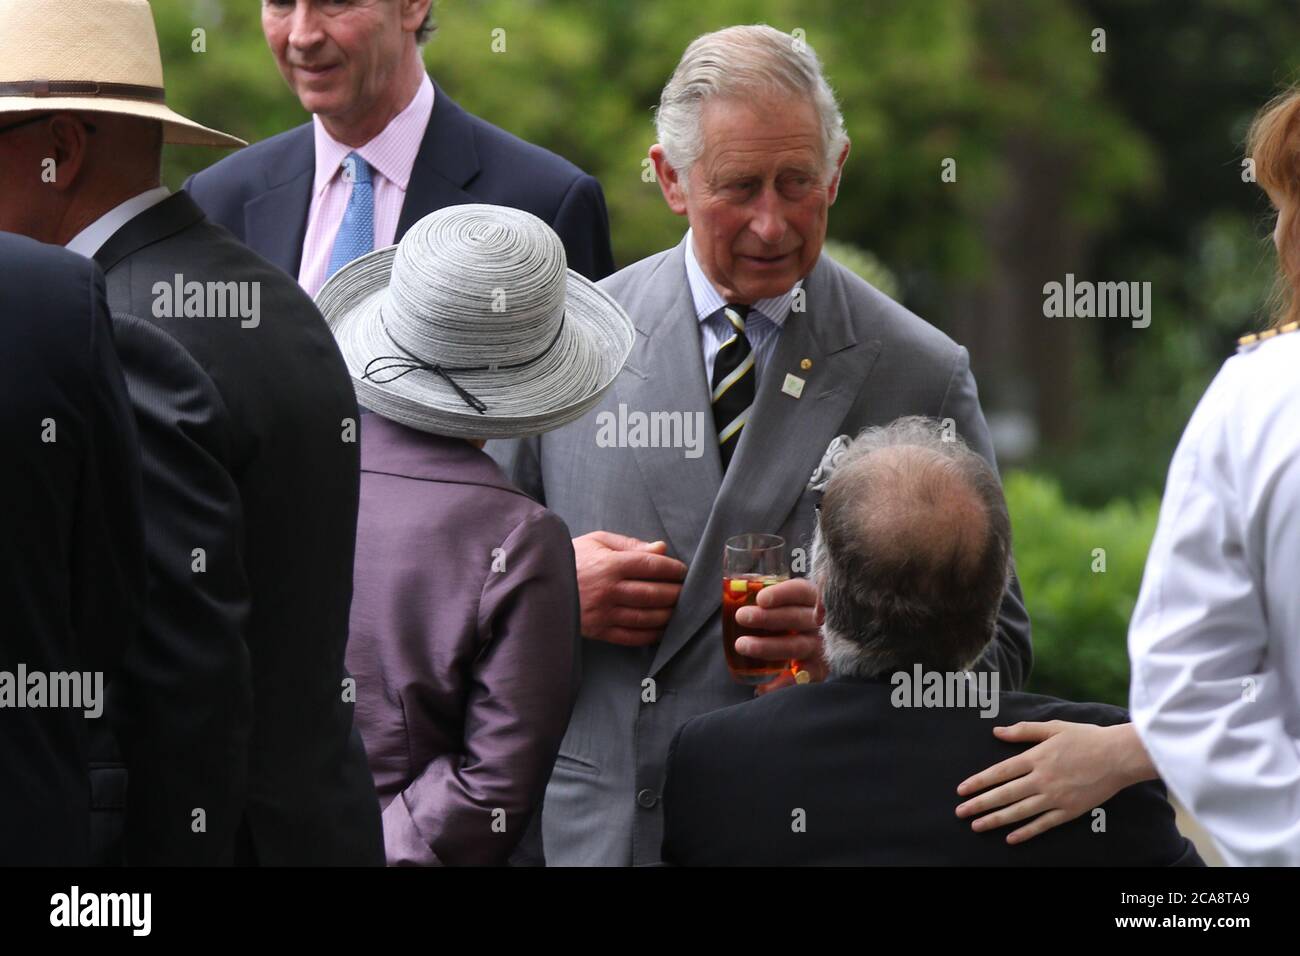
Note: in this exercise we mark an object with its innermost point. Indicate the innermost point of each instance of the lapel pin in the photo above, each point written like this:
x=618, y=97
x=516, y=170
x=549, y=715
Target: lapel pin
x=793, y=385
x=805, y=364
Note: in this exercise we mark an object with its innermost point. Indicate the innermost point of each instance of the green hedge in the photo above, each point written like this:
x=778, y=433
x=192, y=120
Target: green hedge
x=1079, y=616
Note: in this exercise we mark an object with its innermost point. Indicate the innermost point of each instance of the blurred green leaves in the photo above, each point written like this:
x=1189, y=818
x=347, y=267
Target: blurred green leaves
x=1080, y=616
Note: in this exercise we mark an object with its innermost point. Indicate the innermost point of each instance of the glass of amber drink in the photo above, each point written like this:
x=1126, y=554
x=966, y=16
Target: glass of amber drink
x=750, y=562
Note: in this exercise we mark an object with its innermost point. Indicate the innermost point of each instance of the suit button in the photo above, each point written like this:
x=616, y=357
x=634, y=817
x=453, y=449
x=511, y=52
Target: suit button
x=647, y=798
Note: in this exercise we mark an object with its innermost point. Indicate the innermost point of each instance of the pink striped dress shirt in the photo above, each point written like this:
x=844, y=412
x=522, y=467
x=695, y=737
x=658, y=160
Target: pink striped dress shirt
x=391, y=156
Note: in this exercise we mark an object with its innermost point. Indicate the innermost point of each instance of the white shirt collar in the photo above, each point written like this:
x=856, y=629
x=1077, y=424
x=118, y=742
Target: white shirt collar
x=91, y=239
x=708, y=300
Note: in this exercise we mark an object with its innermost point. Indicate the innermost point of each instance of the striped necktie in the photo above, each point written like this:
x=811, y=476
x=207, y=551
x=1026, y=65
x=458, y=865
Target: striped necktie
x=733, y=383
x=356, y=235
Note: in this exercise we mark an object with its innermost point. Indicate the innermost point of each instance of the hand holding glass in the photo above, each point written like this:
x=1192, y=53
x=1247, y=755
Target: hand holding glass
x=750, y=562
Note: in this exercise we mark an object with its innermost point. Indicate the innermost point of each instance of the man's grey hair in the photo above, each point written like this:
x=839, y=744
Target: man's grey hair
x=912, y=552
x=743, y=63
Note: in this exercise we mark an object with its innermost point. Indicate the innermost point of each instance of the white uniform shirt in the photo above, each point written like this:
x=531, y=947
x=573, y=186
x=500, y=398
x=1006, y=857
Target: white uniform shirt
x=1215, y=637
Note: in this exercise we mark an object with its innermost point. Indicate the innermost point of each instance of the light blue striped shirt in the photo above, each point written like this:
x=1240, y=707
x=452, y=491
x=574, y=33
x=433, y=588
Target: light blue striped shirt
x=762, y=326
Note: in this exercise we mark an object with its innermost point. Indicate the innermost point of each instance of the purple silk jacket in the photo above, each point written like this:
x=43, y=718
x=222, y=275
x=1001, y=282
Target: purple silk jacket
x=464, y=645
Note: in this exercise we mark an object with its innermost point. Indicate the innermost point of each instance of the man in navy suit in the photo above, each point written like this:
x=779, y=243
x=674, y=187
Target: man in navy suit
x=385, y=148
x=72, y=559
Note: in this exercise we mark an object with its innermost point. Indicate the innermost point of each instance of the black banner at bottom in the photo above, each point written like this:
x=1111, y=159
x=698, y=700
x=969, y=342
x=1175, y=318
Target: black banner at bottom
x=374, y=906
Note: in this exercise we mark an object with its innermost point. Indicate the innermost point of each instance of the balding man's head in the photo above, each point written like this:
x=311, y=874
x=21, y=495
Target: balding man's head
x=912, y=553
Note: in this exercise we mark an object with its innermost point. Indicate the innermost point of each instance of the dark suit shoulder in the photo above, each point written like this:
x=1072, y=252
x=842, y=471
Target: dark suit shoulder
x=514, y=172
x=52, y=303
x=266, y=348
x=43, y=283
x=526, y=163
x=254, y=168
x=1020, y=706
x=224, y=187
x=20, y=252
x=207, y=251
x=209, y=254
x=227, y=251
x=788, y=707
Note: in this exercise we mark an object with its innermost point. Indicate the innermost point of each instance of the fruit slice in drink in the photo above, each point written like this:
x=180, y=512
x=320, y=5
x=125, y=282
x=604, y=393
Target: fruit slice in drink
x=738, y=591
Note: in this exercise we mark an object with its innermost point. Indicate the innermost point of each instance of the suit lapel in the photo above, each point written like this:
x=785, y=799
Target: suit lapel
x=447, y=160
x=178, y=211
x=275, y=221
x=668, y=339
x=782, y=443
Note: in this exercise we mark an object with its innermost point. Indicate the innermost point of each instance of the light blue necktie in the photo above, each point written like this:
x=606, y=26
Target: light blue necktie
x=356, y=235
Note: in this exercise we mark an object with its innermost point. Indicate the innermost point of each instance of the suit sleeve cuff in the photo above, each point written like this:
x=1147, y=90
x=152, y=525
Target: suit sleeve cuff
x=403, y=844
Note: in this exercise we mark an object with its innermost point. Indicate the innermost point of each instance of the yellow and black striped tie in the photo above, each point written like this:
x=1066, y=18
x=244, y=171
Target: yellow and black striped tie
x=733, y=383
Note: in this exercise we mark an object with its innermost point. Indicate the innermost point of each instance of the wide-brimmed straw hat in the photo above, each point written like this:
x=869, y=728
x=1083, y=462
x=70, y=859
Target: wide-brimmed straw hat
x=473, y=327
x=96, y=55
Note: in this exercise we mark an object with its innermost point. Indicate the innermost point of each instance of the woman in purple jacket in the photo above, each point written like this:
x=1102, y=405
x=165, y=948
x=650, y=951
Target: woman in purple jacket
x=465, y=628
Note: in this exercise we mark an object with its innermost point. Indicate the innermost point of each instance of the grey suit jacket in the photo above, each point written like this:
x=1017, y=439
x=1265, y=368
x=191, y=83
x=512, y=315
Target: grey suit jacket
x=871, y=362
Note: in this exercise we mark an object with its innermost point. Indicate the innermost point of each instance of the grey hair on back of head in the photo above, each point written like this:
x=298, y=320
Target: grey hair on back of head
x=912, y=552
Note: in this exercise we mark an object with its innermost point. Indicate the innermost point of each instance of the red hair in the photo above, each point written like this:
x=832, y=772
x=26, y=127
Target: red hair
x=1274, y=144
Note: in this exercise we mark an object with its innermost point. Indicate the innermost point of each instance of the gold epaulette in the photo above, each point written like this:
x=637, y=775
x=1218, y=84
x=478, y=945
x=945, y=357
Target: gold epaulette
x=1248, y=342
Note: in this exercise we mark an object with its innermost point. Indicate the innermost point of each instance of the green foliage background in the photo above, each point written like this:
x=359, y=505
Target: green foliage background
x=1149, y=141
x=1079, y=600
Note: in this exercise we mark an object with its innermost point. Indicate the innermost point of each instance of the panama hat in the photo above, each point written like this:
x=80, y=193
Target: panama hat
x=473, y=327
x=96, y=55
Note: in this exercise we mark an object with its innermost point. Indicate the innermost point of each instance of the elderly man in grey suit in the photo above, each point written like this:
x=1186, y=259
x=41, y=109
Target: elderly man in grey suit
x=775, y=349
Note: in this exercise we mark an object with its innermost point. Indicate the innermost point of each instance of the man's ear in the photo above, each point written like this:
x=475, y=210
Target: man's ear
x=413, y=13
x=670, y=183
x=71, y=142
x=833, y=189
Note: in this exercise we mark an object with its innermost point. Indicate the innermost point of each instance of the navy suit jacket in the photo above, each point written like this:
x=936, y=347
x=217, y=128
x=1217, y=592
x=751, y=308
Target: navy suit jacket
x=72, y=558
x=876, y=784
x=263, y=193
